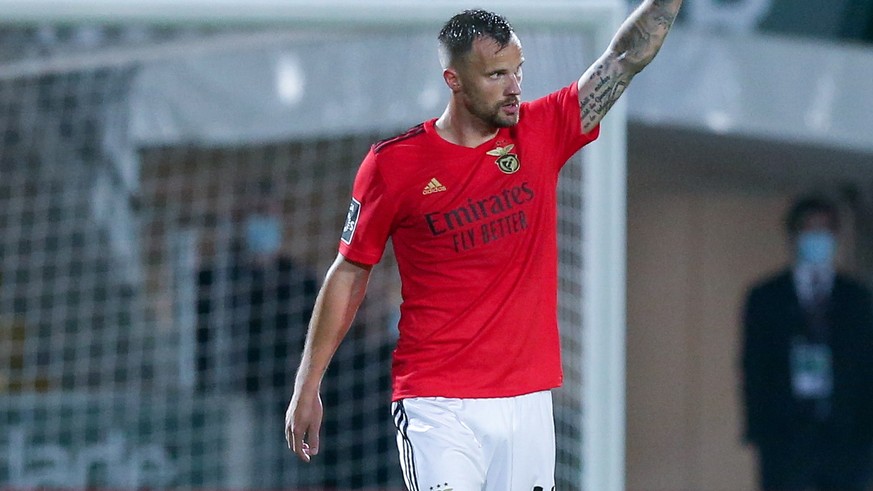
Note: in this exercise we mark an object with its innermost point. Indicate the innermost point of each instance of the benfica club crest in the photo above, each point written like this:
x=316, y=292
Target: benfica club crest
x=507, y=162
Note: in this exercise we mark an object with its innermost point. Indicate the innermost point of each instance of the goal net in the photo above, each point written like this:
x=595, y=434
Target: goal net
x=172, y=190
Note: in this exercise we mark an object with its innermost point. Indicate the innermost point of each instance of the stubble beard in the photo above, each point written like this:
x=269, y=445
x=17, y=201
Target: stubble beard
x=501, y=121
x=491, y=115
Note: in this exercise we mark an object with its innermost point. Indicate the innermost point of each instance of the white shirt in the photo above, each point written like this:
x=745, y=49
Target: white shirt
x=810, y=277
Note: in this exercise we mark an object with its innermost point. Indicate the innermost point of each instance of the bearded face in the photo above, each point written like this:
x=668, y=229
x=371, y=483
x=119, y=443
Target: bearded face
x=490, y=82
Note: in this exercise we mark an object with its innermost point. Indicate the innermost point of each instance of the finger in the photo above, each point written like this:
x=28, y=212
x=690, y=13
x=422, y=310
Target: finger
x=304, y=452
x=313, y=443
x=299, y=446
x=289, y=439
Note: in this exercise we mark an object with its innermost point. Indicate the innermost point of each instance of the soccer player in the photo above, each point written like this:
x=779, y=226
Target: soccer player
x=469, y=202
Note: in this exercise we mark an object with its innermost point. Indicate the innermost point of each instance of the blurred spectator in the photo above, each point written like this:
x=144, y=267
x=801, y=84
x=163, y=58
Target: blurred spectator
x=263, y=300
x=267, y=299
x=807, y=364
x=257, y=305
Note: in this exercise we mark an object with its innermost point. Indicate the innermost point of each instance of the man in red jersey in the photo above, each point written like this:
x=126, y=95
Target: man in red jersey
x=469, y=202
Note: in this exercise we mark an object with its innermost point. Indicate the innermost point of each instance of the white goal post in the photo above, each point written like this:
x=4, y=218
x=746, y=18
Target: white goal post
x=602, y=356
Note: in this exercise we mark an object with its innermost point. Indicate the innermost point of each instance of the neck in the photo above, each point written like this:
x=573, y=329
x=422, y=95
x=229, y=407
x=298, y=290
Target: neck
x=462, y=128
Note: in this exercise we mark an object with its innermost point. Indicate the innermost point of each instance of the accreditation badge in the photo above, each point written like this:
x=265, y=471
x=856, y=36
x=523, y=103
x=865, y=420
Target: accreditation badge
x=811, y=370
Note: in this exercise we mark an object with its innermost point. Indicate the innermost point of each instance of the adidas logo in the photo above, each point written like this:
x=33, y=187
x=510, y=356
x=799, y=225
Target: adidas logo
x=433, y=186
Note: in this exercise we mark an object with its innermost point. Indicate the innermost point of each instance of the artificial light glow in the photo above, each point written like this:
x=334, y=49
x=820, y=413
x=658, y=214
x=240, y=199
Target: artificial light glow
x=290, y=82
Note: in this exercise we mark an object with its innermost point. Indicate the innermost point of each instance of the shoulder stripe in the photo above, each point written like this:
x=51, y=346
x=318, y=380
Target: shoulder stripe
x=411, y=132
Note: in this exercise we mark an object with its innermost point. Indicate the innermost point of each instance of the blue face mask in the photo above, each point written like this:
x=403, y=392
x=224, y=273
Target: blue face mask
x=263, y=234
x=816, y=247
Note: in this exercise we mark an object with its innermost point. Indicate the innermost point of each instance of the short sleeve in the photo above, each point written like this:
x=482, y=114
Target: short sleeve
x=557, y=118
x=370, y=215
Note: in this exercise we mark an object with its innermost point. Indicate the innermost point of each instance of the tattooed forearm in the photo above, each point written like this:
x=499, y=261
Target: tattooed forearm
x=608, y=87
x=635, y=45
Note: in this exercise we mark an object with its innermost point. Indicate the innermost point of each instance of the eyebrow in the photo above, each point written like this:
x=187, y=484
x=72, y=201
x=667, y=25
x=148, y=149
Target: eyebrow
x=507, y=69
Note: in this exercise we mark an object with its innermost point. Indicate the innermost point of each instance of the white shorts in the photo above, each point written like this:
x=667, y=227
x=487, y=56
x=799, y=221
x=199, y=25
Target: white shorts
x=502, y=444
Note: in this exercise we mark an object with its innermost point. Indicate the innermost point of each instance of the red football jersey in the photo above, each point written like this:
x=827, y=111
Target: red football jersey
x=474, y=233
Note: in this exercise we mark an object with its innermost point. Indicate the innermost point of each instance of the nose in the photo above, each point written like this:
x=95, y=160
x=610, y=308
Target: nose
x=514, y=86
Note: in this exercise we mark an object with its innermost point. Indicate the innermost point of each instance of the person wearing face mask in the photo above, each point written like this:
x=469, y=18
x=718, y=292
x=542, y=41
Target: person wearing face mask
x=274, y=299
x=807, y=364
x=262, y=299
x=263, y=235
x=253, y=308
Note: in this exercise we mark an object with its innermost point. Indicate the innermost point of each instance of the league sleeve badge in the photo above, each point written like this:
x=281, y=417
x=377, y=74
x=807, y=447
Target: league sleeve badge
x=351, y=221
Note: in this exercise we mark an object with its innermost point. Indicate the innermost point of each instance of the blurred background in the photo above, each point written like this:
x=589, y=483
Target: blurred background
x=750, y=104
x=171, y=196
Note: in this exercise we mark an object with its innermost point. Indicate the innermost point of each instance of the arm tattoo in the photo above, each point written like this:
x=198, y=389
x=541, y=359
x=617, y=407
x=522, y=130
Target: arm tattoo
x=608, y=88
x=634, y=46
x=642, y=34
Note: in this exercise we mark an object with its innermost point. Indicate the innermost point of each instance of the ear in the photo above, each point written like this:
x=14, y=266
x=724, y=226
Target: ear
x=450, y=75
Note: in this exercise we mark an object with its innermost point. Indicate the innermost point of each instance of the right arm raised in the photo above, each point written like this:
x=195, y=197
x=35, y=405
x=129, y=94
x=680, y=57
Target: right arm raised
x=335, y=308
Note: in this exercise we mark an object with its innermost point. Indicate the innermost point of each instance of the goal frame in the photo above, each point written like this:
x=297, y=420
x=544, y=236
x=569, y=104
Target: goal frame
x=604, y=175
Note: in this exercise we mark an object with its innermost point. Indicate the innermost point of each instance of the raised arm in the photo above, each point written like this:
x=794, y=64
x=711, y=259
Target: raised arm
x=635, y=45
x=335, y=309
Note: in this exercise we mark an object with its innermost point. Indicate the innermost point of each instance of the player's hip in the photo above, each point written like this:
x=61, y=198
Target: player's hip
x=505, y=443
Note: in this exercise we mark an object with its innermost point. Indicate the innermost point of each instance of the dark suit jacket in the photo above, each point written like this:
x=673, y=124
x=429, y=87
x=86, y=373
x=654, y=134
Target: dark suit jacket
x=773, y=316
